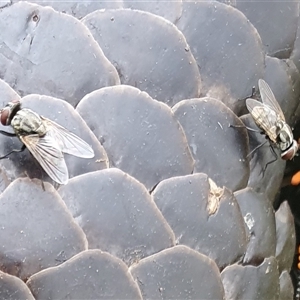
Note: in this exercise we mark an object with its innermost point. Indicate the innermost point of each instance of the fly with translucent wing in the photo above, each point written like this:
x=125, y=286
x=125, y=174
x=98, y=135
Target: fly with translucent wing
x=269, y=117
x=45, y=139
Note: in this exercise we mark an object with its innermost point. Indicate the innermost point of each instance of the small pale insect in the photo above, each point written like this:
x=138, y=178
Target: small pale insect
x=269, y=117
x=45, y=139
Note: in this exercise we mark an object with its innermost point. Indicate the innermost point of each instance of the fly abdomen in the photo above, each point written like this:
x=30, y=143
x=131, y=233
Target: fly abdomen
x=27, y=122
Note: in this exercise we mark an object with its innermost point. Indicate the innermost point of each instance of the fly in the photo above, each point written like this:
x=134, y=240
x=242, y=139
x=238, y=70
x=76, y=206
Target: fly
x=45, y=140
x=269, y=117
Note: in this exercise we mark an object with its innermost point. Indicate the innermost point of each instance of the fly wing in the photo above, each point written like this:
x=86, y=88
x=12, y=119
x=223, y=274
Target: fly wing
x=47, y=152
x=268, y=98
x=264, y=117
x=68, y=141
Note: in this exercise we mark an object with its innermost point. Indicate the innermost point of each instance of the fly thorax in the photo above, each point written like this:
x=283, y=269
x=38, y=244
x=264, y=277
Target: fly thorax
x=285, y=137
x=28, y=122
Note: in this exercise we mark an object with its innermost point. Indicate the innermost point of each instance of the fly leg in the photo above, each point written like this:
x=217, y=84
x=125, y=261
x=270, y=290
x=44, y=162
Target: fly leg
x=7, y=133
x=270, y=162
x=13, y=151
x=244, y=126
x=257, y=147
x=272, y=150
x=252, y=92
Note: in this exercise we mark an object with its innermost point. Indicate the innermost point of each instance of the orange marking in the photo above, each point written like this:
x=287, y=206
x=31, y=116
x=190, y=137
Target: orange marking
x=296, y=179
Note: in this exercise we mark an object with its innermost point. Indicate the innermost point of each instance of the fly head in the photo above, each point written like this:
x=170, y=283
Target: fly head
x=9, y=111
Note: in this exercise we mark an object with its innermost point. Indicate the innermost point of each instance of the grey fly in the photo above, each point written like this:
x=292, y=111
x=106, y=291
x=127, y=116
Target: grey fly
x=45, y=139
x=269, y=117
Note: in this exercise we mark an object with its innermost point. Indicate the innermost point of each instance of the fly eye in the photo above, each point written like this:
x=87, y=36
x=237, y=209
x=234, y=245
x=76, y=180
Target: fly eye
x=5, y=117
x=287, y=155
x=290, y=152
